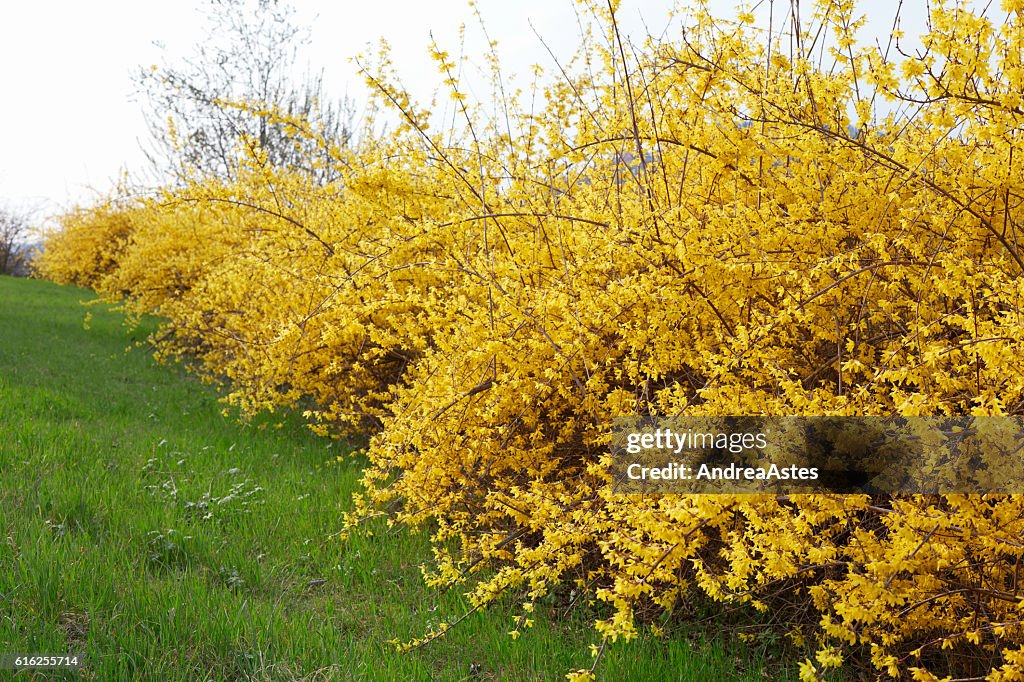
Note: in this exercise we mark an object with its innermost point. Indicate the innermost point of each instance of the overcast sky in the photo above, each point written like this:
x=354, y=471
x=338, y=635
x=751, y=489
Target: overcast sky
x=68, y=120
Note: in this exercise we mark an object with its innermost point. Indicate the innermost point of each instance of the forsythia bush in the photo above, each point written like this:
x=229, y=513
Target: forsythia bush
x=716, y=224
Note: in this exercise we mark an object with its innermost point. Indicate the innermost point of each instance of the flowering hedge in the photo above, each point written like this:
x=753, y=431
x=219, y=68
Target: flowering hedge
x=714, y=224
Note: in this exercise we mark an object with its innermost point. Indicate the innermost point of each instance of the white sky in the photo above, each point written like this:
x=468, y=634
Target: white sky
x=68, y=121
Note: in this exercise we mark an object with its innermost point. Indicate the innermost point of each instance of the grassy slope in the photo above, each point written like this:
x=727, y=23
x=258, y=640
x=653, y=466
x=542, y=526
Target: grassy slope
x=139, y=525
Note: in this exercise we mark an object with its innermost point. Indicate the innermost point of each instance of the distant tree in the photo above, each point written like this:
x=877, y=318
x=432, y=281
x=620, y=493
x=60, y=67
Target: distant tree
x=14, y=229
x=234, y=90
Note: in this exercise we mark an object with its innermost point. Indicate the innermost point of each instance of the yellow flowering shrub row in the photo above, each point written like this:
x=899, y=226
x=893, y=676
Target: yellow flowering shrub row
x=704, y=225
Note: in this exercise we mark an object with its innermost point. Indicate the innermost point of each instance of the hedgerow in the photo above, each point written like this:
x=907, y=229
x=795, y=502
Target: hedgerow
x=711, y=224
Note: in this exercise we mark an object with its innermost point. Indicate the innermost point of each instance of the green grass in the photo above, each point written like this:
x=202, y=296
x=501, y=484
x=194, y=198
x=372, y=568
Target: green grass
x=140, y=526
